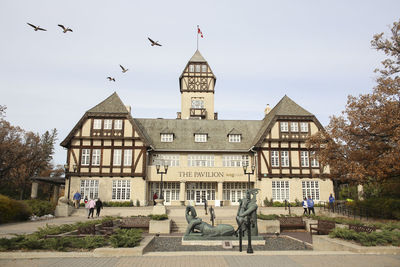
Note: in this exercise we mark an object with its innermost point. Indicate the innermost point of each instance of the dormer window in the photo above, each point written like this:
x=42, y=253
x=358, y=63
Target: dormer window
x=167, y=137
x=284, y=126
x=200, y=138
x=235, y=138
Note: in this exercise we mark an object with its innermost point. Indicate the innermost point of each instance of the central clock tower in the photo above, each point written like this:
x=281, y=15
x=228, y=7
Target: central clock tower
x=197, y=84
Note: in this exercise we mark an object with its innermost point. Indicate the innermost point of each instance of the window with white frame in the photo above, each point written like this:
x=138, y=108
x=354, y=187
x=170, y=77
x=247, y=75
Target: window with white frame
x=204, y=68
x=171, y=190
x=314, y=159
x=96, y=157
x=234, y=138
x=197, y=102
x=201, y=160
x=165, y=159
x=127, y=157
x=167, y=137
x=85, y=156
x=310, y=188
x=90, y=189
x=121, y=190
x=197, y=190
x=304, y=127
x=197, y=68
x=284, y=126
x=235, y=160
x=285, y=158
x=280, y=190
x=274, y=158
x=117, y=157
x=200, y=138
x=191, y=68
x=97, y=124
x=118, y=125
x=234, y=191
x=294, y=126
x=108, y=124
x=304, y=159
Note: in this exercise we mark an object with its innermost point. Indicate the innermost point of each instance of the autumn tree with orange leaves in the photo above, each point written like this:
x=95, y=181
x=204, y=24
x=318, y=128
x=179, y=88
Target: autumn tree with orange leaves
x=362, y=146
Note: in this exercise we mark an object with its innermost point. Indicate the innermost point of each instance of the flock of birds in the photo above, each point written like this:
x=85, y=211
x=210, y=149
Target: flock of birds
x=66, y=29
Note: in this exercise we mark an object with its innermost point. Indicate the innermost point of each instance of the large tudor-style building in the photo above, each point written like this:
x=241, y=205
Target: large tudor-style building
x=113, y=156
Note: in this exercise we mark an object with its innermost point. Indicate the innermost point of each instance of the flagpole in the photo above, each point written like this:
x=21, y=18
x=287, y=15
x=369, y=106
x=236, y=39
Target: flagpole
x=197, y=33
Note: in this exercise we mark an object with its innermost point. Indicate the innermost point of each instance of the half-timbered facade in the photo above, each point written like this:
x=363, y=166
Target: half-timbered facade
x=113, y=156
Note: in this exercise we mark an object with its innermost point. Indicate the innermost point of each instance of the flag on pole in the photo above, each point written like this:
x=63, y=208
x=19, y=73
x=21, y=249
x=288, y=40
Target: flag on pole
x=199, y=32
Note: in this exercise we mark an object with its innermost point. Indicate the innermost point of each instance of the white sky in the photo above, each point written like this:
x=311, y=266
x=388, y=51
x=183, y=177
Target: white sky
x=316, y=52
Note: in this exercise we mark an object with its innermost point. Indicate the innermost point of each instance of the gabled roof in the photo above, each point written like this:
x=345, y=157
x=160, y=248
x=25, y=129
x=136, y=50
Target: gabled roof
x=197, y=57
x=112, y=104
x=285, y=107
x=234, y=131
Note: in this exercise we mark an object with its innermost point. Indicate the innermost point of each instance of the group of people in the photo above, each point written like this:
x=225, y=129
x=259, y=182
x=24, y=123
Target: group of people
x=308, y=205
x=90, y=204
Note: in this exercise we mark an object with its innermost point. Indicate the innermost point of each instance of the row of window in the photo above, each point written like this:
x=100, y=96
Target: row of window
x=280, y=190
x=107, y=124
x=201, y=160
x=200, y=138
x=93, y=157
x=198, y=68
x=281, y=159
x=294, y=126
x=121, y=189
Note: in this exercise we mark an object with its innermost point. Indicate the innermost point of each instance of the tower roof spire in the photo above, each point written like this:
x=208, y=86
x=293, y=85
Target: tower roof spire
x=197, y=57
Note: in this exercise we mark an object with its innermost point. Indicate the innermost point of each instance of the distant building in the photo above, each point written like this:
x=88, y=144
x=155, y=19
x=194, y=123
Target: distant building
x=115, y=155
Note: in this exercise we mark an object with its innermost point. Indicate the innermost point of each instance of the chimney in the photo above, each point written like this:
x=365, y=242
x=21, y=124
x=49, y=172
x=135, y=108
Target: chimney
x=267, y=110
x=128, y=108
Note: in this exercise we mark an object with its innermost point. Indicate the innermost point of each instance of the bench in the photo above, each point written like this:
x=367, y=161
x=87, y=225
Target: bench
x=141, y=222
x=322, y=227
x=362, y=228
x=291, y=223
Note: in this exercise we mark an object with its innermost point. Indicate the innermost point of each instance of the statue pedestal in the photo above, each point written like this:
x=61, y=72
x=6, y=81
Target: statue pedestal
x=159, y=208
x=192, y=240
x=63, y=210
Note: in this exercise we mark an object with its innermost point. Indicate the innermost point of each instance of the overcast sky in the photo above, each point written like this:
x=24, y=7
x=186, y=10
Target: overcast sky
x=316, y=52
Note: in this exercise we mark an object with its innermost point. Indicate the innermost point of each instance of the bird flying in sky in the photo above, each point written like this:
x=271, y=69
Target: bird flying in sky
x=65, y=30
x=153, y=43
x=36, y=28
x=123, y=69
x=111, y=79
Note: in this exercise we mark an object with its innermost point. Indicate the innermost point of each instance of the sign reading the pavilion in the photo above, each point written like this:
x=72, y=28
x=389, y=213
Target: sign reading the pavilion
x=201, y=174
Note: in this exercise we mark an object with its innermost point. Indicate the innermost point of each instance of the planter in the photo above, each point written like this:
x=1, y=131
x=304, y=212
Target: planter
x=268, y=226
x=160, y=227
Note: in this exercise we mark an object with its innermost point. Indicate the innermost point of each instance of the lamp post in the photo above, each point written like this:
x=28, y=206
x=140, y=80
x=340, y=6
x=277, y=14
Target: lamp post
x=68, y=176
x=249, y=247
x=162, y=184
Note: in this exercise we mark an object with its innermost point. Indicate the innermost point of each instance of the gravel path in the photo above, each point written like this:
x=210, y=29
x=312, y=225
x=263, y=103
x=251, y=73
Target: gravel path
x=166, y=244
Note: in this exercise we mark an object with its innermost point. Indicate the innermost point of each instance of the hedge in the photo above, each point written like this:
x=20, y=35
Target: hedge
x=386, y=208
x=13, y=210
x=383, y=238
x=40, y=207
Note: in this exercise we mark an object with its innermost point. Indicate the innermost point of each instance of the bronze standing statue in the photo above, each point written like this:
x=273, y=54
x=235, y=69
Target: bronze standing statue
x=248, y=208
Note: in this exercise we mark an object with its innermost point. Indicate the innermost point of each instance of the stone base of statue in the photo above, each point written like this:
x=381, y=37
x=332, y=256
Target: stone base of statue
x=62, y=208
x=198, y=240
x=159, y=208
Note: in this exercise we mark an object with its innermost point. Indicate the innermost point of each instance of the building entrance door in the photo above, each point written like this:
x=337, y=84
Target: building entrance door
x=167, y=197
x=200, y=195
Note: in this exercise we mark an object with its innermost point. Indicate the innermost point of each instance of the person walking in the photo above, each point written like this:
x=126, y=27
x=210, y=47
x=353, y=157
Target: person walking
x=205, y=204
x=92, y=205
x=86, y=201
x=99, y=206
x=77, y=199
x=331, y=203
x=310, y=205
x=305, y=207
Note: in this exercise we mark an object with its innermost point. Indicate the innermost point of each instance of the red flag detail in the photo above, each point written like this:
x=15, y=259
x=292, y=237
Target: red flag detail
x=199, y=32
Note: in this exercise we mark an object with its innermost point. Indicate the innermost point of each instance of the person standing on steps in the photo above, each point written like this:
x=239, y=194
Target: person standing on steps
x=77, y=199
x=92, y=205
x=305, y=207
x=310, y=205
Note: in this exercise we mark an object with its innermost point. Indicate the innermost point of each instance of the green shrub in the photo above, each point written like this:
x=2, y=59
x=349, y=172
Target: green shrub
x=12, y=210
x=40, y=207
x=137, y=203
x=126, y=238
x=158, y=217
x=368, y=239
x=268, y=203
x=267, y=217
x=388, y=208
x=118, y=204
